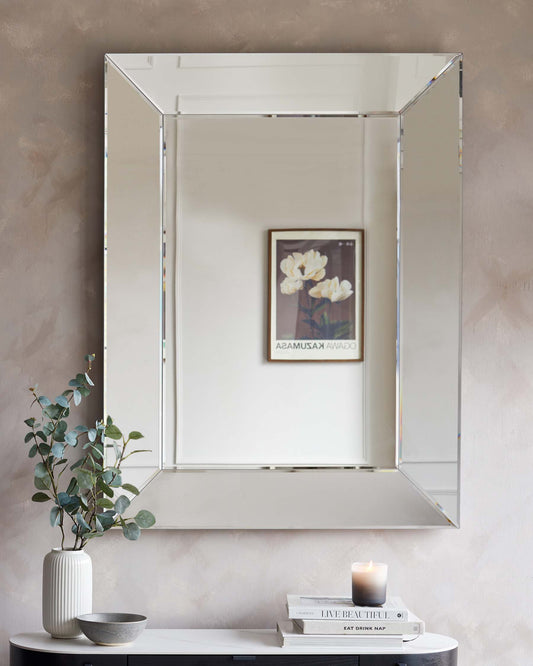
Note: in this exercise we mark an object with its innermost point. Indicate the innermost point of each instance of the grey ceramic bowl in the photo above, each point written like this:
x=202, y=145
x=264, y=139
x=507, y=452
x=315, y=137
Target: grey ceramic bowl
x=112, y=628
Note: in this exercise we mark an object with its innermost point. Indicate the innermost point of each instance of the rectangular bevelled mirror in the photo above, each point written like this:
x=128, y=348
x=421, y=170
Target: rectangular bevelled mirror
x=283, y=286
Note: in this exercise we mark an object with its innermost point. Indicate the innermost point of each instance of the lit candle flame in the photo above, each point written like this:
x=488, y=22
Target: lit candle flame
x=370, y=565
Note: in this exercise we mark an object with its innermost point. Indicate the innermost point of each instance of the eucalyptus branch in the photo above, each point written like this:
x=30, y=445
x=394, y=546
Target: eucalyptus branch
x=89, y=498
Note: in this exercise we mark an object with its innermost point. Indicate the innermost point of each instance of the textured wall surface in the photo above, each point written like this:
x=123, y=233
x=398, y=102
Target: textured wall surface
x=475, y=583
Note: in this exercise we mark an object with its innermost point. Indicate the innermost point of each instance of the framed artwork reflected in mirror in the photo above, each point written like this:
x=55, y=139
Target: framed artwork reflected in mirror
x=316, y=303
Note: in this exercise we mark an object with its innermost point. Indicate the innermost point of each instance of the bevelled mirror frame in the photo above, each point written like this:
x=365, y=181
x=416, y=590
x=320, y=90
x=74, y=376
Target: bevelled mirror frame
x=183, y=132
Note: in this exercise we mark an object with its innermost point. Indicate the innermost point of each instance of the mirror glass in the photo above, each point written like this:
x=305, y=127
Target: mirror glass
x=283, y=286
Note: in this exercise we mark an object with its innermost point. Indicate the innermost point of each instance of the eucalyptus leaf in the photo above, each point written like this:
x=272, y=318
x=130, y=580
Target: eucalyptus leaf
x=81, y=428
x=72, y=486
x=40, y=497
x=30, y=422
x=44, y=449
x=98, y=524
x=107, y=519
x=97, y=465
x=82, y=522
x=52, y=411
x=43, y=401
x=33, y=451
x=55, y=516
x=74, y=504
x=109, y=514
x=105, y=503
x=71, y=438
x=62, y=401
x=107, y=476
x=109, y=421
x=91, y=435
x=89, y=358
x=105, y=488
x=145, y=519
x=63, y=498
x=61, y=426
x=29, y=436
x=42, y=484
x=130, y=488
x=131, y=531
x=76, y=396
x=74, y=382
x=58, y=449
x=84, y=391
x=122, y=504
x=97, y=451
x=40, y=470
x=85, y=479
x=88, y=380
x=58, y=436
x=113, y=432
x=40, y=434
x=117, y=482
x=77, y=464
x=80, y=378
x=135, y=434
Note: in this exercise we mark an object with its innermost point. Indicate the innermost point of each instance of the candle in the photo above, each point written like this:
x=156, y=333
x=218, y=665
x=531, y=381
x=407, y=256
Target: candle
x=369, y=583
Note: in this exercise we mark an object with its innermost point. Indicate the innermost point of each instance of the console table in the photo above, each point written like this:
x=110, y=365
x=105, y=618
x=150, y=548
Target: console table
x=222, y=647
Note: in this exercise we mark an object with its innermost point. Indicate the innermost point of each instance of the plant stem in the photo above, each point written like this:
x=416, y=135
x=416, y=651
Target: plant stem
x=50, y=470
x=124, y=444
x=54, y=487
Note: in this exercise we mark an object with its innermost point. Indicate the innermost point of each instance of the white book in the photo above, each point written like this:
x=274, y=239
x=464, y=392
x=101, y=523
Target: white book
x=301, y=607
x=291, y=636
x=413, y=626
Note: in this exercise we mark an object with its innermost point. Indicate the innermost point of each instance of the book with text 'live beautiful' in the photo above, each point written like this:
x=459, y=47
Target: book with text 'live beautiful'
x=301, y=607
x=291, y=636
x=413, y=626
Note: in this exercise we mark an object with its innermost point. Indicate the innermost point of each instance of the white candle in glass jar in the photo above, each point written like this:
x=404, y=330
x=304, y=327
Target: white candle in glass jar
x=369, y=583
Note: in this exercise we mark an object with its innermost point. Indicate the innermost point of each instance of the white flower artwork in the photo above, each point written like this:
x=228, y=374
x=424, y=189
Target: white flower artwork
x=333, y=290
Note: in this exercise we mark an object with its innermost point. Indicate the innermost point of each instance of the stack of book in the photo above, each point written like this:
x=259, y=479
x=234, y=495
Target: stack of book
x=337, y=622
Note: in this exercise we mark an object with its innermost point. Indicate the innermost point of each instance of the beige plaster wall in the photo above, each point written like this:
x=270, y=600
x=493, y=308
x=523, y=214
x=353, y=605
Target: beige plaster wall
x=475, y=583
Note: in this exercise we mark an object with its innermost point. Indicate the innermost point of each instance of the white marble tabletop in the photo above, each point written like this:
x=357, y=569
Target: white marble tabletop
x=216, y=641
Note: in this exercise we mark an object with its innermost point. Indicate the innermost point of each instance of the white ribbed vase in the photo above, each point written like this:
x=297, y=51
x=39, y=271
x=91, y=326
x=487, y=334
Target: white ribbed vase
x=67, y=591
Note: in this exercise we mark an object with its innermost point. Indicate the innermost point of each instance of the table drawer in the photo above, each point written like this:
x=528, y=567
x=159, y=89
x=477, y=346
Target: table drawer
x=244, y=660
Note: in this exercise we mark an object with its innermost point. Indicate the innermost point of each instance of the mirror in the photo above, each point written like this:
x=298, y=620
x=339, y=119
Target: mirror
x=283, y=286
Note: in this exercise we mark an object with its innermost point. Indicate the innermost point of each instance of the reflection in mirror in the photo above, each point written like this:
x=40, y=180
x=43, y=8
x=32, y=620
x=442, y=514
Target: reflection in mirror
x=236, y=178
x=204, y=155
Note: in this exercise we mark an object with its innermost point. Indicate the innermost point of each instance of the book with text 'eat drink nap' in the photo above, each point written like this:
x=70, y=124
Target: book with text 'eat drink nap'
x=291, y=636
x=302, y=607
x=414, y=626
